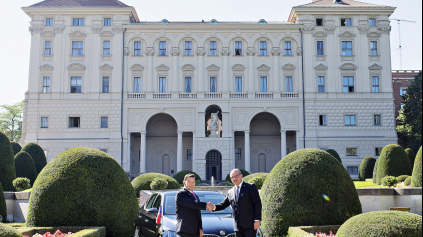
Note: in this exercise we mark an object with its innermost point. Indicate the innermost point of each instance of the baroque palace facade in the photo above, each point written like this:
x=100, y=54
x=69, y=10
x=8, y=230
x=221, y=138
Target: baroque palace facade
x=145, y=92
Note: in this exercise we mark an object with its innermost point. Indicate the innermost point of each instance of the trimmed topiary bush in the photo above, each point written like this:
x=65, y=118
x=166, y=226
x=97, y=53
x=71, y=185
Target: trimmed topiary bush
x=25, y=167
x=407, y=181
x=393, y=161
x=37, y=154
x=411, y=155
x=258, y=181
x=143, y=182
x=382, y=224
x=366, y=168
x=3, y=207
x=7, y=231
x=389, y=181
x=375, y=172
x=416, y=180
x=84, y=187
x=252, y=176
x=243, y=172
x=402, y=178
x=334, y=154
x=16, y=148
x=7, y=163
x=307, y=187
x=21, y=184
x=158, y=184
x=181, y=175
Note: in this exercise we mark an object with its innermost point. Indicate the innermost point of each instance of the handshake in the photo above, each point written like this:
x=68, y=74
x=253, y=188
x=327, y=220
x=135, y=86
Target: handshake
x=211, y=206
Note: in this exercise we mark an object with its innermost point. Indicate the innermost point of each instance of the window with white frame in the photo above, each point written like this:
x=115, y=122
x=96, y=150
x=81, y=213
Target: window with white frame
x=188, y=85
x=162, y=47
x=373, y=48
x=403, y=91
x=46, y=84
x=189, y=155
x=106, y=85
x=288, y=48
x=47, y=49
x=74, y=122
x=238, y=48
x=378, y=150
x=350, y=120
x=322, y=120
x=263, y=84
x=76, y=85
x=324, y=149
x=320, y=50
x=137, y=84
x=162, y=84
x=288, y=85
x=238, y=84
x=78, y=21
x=188, y=48
x=104, y=122
x=352, y=151
x=77, y=48
x=375, y=84
x=44, y=122
x=107, y=22
x=377, y=120
x=352, y=170
x=238, y=154
x=49, y=22
x=213, y=84
x=137, y=48
x=348, y=83
x=104, y=150
x=346, y=22
x=346, y=48
x=106, y=47
x=372, y=22
x=213, y=48
x=321, y=84
x=263, y=48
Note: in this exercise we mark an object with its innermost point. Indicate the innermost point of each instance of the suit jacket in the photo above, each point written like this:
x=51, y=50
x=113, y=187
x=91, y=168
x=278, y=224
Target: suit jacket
x=188, y=212
x=248, y=208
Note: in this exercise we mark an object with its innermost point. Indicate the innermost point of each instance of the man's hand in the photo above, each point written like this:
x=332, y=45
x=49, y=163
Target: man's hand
x=256, y=225
x=210, y=206
x=201, y=233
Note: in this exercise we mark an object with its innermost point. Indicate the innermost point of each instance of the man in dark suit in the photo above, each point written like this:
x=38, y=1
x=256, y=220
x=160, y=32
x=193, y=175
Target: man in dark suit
x=188, y=210
x=246, y=206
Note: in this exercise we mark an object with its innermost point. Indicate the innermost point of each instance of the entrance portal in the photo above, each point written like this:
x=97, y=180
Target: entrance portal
x=214, y=165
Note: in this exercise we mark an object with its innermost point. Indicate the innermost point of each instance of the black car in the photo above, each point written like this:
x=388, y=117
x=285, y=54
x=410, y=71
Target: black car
x=216, y=224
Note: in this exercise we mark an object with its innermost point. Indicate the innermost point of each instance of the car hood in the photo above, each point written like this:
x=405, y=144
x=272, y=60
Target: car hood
x=212, y=223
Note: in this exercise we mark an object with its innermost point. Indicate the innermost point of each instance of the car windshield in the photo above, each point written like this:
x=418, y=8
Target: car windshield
x=170, y=205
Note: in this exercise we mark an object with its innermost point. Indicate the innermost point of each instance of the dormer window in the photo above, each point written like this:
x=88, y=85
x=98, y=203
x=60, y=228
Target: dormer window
x=346, y=22
x=78, y=21
x=238, y=48
x=319, y=22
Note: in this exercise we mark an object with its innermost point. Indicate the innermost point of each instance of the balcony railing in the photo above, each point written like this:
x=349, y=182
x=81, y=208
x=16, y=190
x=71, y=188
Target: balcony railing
x=162, y=96
x=263, y=95
x=241, y=95
x=136, y=95
x=290, y=95
x=212, y=95
x=187, y=96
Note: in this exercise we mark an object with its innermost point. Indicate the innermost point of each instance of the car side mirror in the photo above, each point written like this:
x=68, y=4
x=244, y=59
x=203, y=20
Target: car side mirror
x=152, y=210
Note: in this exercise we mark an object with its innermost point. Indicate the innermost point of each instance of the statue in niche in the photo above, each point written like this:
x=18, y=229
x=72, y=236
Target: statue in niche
x=214, y=124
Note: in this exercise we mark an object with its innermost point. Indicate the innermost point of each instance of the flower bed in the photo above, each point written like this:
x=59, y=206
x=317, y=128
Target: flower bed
x=58, y=233
x=75, y=231
x=311, y=231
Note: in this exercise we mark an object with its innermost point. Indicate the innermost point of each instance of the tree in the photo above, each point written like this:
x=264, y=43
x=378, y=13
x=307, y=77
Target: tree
x=11, y=120
x=410, y=118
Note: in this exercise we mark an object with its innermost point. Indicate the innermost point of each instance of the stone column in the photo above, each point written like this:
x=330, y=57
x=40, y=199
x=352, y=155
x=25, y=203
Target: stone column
x=150, y=54
x=251, y=76
x=129, y=152
x=297, y=136
x=36, y=28
x=283, y=144
x=143, y=160
x=276, y=80
x=233, y=151
x=200, y=80
x=247, y=152
x=225, y=81
x=175, y=54
x=194, y=151
x=179, y=159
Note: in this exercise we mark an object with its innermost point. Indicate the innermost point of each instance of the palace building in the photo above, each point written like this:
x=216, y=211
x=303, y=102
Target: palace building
x=145, y=92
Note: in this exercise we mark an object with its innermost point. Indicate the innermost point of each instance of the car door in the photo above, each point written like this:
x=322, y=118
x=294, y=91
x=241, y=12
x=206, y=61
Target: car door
x=152, y=217
x=145, y=220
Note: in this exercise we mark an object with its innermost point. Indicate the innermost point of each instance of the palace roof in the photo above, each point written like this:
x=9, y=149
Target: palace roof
x=345, y=3
x=80, y=3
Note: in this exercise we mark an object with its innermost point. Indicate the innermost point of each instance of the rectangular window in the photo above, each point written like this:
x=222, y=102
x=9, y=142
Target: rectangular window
x=238, y=48
x=76, y=84
x=188, y=48
x=375, y=85
x=213, y=84
x=346, y=22
x=320, y=50
x=289, y=87
x=238, y=84
x=107, y=22
x=238, y=154
x=321, y=84
x=137, y=48
x=162, y=85
x=137, y=84
x=213, y=48
x=263, y=84
x=352, y=170
x=106, y=48
x=49, y=22
x=44, y=122
x=188, y=85
x=47, y=50
x=263, y=48
x=74, y=122
x=403, y=91
x=348, y=84
x=46, y=84
x=319, y=22
x=378, y=150
x=189, y=154
x=373, y=48
x=103, y=150
x=106, y=86
x=324, y=149
x=347, y=48
x=162, y=48
x=104, y=122
x=378, y=120
x=322, y=120
x=288, y=48
x=77, y=47
x=352, y=152
x=350, y=120
x=372, y=22
x=78, y=21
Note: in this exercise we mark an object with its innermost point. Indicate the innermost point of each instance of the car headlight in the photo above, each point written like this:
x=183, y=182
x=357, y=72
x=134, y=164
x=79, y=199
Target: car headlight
x=168, y=233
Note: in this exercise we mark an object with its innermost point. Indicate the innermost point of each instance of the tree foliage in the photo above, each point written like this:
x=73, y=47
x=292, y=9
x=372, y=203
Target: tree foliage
x=11, y=120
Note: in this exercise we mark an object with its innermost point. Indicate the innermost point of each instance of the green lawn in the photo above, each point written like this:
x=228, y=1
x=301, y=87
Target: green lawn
x=366, y=184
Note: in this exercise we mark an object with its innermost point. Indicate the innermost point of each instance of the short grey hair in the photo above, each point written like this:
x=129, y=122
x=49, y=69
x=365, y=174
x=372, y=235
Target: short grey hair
x=238, y=170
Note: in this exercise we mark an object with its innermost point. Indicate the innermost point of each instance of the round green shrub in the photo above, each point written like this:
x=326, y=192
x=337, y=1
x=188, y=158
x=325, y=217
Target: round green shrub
x=25, y=167
x=393, y=161
x=7, y=231
x=416, y=180
x=16, y=148
x=243, y=172
x=382, y=224
x=37, y=154
x=84, y=187
x=258, y=181
x=375, y=172
x=143, y=182
x=181, y=175
x=402, y=178
x=158, y=184
x=3, y=207
x=21, y=183
x=252, y=176
x=366, y=168
x=411, y=155
x=7, y=163
x=389, y=181
x=295, y=193
x=407, y=181
x=334, y=154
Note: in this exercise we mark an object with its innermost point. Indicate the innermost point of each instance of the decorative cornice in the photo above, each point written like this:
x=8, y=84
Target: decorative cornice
x=299, y=51
x=36, y=28
x=48, y=34
x=137, y=67
x=288, y=66
x=330, y=28
x=363, y=28
x=76, y=66
x=348, y=66
x=106, y=34
x=263, y=67
x=251, y=51
x=96, y=28
x=46, y=67
x=175, y=52
x=117, y=29
x=375, y=67
x=149, y=51
x=201, y=52
x=226, y=51
x=374, y=35
x=77, y=34
x=58, y=28
x=320, y=34
x=347, y=34
x=384, y=29
x=238, y=67
x=162, y=67
x=213, y=67
x=106, y=67
x=308, y=28
x=276, y=51
x=321, y=67
x=188, y=67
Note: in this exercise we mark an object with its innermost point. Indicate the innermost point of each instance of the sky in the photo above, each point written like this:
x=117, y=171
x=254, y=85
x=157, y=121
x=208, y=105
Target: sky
x=15, y=40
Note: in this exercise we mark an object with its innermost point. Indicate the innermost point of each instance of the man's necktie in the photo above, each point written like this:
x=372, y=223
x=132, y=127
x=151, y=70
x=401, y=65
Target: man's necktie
x=237, y=193
x=194, y=196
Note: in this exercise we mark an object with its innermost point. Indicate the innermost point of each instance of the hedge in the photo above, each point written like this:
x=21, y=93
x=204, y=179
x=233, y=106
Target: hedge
x=310, y=231
x=78, y=231
x=407, y=181
x=402, y=178
x=416, y=180
x=252, y=176
x=181, y=175
x=16, y=148
x=366, y=168
x=411, y=155
x=393, y=161
x=375, y=172
x=295, y=193
x=382, y=224
x=84, y=187
x=243, y=172
x=143, y=182
x=7, y=163
x=7, y=231
x=37, y=154
x=25, y=167
x=334, y=154
x=3, y=207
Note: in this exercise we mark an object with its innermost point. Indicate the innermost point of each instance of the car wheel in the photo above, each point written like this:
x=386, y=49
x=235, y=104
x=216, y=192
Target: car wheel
x=137, y=231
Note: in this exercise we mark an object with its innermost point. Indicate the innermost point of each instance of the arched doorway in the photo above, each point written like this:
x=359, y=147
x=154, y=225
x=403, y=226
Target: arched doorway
x=213, y=109
x=214, y=165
